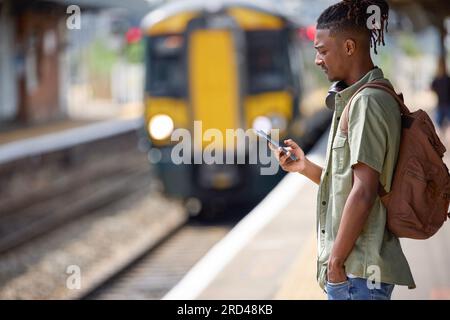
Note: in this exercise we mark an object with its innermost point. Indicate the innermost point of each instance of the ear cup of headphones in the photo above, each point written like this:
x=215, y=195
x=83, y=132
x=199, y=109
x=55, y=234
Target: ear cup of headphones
x=335, y=88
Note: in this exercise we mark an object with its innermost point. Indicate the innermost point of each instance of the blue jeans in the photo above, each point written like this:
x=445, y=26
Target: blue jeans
x=357, y=289
x=442, y=114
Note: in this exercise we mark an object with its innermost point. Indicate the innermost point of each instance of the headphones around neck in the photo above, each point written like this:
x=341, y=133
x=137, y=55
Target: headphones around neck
x=335, y=88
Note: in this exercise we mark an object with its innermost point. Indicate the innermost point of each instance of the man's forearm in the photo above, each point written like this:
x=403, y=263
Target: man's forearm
x=312, y=171
x=354, y=218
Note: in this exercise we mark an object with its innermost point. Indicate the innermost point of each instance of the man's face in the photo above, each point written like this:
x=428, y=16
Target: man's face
x=330, y=55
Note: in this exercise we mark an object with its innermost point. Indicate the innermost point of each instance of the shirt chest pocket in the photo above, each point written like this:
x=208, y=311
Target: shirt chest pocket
x=339, y=153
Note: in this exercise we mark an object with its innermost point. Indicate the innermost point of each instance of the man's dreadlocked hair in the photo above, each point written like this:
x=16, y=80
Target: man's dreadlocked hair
x=351, y=15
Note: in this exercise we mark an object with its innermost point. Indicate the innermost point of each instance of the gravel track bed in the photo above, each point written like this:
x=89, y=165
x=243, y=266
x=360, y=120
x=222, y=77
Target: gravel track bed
x=99, y=244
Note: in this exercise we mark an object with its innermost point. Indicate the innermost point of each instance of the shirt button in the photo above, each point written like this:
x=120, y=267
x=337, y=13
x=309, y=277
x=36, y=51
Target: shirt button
x=339, y=118
x=324, y=202
x=323, y=231
x=326, y=173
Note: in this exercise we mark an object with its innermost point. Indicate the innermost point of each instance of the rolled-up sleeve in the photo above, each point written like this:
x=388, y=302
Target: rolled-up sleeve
x=367, y=133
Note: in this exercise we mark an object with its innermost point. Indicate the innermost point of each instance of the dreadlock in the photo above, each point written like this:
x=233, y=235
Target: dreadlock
x=351, y=15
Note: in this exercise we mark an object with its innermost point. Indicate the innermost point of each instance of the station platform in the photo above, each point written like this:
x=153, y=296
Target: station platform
x=272, y=252
x=22, y=142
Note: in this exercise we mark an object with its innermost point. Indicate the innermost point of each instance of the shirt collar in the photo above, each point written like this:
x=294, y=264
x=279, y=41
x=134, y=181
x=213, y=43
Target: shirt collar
x=372, y=75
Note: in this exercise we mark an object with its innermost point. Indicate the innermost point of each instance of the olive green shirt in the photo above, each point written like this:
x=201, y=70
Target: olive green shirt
x=373, y=139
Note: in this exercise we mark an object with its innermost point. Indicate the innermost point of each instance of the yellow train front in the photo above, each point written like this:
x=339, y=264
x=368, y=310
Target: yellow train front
x=219, y=65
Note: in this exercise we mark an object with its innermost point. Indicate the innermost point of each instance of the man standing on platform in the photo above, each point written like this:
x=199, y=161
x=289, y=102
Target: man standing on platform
x=358, y=258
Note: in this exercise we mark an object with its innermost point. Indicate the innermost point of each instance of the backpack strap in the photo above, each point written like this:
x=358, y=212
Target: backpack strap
x=376, y=85
x=345, y=114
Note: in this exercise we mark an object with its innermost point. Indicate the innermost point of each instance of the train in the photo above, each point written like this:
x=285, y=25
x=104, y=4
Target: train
x=218, y=66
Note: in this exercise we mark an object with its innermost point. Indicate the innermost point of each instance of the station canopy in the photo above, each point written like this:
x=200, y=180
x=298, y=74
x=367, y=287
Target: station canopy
x=423, y=12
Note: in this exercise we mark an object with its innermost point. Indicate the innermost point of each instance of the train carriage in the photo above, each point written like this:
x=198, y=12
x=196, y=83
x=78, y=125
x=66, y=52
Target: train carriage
x=225, y=65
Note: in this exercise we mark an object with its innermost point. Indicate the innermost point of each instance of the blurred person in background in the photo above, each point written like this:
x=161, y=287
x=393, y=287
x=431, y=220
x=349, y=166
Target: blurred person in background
x=441, y=86
x=358, y=257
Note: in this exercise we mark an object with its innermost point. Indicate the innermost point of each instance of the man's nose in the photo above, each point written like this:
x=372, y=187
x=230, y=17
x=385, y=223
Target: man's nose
x=318, y=61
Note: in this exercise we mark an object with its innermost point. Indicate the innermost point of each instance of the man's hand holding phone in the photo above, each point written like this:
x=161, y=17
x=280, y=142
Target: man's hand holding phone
x=286, y=163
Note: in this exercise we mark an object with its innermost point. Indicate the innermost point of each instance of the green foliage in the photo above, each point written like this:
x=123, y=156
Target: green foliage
x=134, y=52
x=409, y=45
x=101, y=58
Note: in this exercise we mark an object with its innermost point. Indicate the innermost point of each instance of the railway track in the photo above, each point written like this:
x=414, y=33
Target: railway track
x=43, y=217
x=159, y=269
x=40, y=194
x=100, y=241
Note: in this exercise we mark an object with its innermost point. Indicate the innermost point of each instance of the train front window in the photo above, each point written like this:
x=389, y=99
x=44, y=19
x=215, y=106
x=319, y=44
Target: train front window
x=267, y=61
x=165, y=75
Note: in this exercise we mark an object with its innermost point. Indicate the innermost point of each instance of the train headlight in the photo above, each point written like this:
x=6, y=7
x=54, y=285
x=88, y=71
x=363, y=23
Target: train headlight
x=278, y=122
x=160, y=127
x=262, y=123
x=267, y=123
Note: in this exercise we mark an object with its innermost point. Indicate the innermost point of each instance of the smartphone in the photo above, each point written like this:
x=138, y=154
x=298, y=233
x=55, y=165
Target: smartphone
x=262, y=134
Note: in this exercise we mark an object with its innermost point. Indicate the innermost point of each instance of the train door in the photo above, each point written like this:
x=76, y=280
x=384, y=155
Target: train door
x=213, y=73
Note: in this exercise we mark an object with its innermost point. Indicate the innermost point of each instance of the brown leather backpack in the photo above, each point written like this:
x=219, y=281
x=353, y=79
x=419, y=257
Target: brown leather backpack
x=418, y=201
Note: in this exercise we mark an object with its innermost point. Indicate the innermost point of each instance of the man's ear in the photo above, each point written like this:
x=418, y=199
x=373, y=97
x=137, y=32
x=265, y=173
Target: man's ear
x=350, y=47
